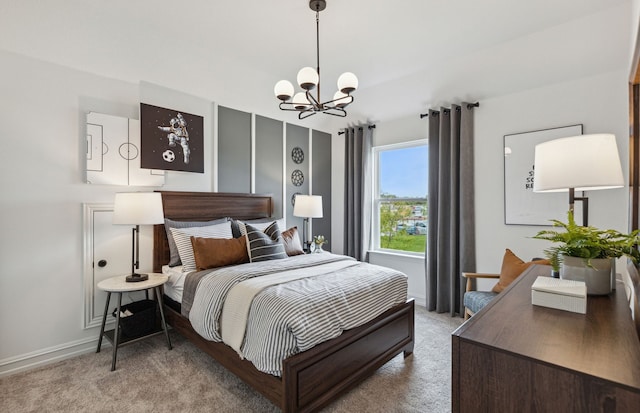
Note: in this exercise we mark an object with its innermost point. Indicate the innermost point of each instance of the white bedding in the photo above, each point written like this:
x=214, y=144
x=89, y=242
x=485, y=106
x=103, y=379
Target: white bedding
x=175, y=284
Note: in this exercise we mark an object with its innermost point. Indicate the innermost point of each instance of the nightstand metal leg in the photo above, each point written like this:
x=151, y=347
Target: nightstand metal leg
x=104, y=321
x=158, y=295
x=116, y=333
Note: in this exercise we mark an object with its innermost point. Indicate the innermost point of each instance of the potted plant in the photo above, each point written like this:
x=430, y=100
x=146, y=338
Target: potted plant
x=318, y=241
x=588, y=254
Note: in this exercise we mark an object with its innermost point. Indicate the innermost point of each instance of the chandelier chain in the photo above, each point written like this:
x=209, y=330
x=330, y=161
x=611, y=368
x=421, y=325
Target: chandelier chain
x=305, y=103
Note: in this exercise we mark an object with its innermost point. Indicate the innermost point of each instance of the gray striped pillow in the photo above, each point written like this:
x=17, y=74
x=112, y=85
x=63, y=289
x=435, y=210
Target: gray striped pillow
x=238, y=227
x=174, y=260
x=182, y=237
x=264, y=246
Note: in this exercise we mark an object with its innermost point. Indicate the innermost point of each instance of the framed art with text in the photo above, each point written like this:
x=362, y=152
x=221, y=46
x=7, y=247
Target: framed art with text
x=522, y=206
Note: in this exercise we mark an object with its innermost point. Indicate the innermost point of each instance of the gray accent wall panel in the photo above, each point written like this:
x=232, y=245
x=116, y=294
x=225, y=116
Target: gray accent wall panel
x=297, y=137
x=321, y=173
x=269, y=162
x=234, y=150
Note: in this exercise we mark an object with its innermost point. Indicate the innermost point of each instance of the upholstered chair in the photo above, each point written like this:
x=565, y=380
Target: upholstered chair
x=512, y=267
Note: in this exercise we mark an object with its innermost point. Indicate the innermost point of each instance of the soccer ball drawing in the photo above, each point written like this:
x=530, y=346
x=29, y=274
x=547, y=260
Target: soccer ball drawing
x=177, y=131
x=168, y=155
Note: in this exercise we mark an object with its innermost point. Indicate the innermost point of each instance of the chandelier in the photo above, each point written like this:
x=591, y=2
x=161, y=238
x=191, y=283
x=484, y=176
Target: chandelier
x=308, y=78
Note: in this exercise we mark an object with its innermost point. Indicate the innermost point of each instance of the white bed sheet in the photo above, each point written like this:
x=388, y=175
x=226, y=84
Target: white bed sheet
x=175, y=285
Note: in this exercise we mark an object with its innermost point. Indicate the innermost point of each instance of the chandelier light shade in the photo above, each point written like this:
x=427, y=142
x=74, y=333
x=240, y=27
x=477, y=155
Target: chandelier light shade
x=283, y=90
x=347, y=82
x=305, y=103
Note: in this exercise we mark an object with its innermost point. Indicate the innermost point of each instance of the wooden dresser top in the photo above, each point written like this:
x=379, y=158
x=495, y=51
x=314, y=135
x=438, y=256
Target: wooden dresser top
x=602, y=343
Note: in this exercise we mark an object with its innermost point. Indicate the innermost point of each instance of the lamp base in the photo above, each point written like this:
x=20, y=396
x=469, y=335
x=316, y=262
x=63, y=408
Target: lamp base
x=134, y=278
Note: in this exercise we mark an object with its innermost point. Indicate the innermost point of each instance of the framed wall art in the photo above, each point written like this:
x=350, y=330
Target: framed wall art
x=113, y=152
x=171, y=139
x=522, y=206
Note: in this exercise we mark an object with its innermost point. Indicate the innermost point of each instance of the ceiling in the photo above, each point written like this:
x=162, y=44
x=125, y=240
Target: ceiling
x=407, y=54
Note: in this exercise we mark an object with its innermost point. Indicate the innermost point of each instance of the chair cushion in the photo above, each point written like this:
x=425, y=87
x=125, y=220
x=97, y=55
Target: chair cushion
x=512, y=267
x=476, y=300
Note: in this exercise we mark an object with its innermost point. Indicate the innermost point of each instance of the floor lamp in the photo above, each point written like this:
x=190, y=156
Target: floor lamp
x=137, y=208
x=578, y=163
x=307, y=206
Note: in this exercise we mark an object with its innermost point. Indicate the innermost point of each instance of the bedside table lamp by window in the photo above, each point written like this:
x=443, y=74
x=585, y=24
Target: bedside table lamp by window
x=578, y=163
x=137, y=208
x=307, y=206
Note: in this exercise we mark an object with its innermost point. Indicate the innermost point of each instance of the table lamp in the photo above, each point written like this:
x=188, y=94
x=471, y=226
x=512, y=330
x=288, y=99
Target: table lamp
x=578, y=163
x=137, y=208
x=307, y=206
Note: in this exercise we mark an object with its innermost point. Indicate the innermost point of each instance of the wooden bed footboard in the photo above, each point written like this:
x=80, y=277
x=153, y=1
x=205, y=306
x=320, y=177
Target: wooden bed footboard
x=314, y=378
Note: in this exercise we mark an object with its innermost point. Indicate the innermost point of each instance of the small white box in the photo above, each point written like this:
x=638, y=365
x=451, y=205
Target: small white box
x=567, y=295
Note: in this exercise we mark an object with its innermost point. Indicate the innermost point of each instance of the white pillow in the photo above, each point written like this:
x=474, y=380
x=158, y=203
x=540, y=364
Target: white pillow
x=182, y=237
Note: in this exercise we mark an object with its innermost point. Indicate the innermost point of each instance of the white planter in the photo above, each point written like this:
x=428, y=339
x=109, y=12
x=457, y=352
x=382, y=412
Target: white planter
x=597, y=277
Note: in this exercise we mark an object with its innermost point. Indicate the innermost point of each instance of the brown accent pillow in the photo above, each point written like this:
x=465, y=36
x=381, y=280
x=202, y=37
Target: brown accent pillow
x=512, y=267
x=219, y=252
x=291, y=241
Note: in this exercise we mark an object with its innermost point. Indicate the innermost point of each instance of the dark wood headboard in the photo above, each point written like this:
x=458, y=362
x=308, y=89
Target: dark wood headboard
x=204, y=206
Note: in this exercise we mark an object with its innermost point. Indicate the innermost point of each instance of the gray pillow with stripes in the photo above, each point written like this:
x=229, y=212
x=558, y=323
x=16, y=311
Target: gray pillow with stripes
x=182, y=237
x=174, y=259
x=238, y=229
x=265, y=245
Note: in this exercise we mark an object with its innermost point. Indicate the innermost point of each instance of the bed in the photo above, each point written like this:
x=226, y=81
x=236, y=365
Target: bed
x=310, y=379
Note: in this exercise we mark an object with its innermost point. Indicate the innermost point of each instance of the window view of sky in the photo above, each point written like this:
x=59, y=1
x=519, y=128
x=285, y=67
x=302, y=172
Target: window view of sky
x=404, y=172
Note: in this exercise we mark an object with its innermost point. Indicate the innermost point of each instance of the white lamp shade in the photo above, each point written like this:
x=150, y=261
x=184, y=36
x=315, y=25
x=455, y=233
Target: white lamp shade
x=341, y=99
x=138, y=208
x=308, y=206
x=300, y=101
x=347, y=82
x=283, y=90
x=308, y=78
x=585, y=162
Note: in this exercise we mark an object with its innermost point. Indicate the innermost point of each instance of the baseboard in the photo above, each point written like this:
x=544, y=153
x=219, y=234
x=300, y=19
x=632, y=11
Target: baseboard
x=420, y=300
x=39, y=358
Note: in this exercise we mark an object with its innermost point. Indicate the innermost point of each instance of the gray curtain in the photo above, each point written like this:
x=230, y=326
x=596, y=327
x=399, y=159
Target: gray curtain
x=451, y=229
x=357, y=192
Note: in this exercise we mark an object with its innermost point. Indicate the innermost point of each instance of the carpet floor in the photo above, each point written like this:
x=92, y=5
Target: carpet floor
x=149, y=378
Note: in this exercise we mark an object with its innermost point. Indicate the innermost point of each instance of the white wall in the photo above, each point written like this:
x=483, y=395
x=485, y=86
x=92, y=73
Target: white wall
x=599, y=103
x=41, y=181
x=635, y=37
x=42, y=185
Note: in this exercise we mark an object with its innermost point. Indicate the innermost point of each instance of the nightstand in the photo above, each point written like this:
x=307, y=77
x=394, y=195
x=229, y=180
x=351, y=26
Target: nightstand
x=119, y=285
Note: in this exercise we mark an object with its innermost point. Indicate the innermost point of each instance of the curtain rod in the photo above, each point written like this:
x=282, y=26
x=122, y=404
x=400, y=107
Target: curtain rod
x=469, y=106
x=360, y=128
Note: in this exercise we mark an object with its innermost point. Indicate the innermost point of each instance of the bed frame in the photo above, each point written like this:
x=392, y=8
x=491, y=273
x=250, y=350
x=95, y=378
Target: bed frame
x=311, y=379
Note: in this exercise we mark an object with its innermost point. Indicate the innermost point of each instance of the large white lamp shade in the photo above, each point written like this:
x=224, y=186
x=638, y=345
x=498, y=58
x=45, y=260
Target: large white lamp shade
x=308, y=206
x=584, y=163
x=137, y=208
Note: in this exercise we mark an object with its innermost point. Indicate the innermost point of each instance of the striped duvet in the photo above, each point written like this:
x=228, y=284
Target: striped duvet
x=288, y=318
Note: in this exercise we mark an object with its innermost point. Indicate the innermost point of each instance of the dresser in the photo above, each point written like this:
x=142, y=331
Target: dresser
x=516, y=357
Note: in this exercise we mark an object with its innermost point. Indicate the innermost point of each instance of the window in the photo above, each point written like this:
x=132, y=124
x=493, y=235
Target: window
x=400, y=197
